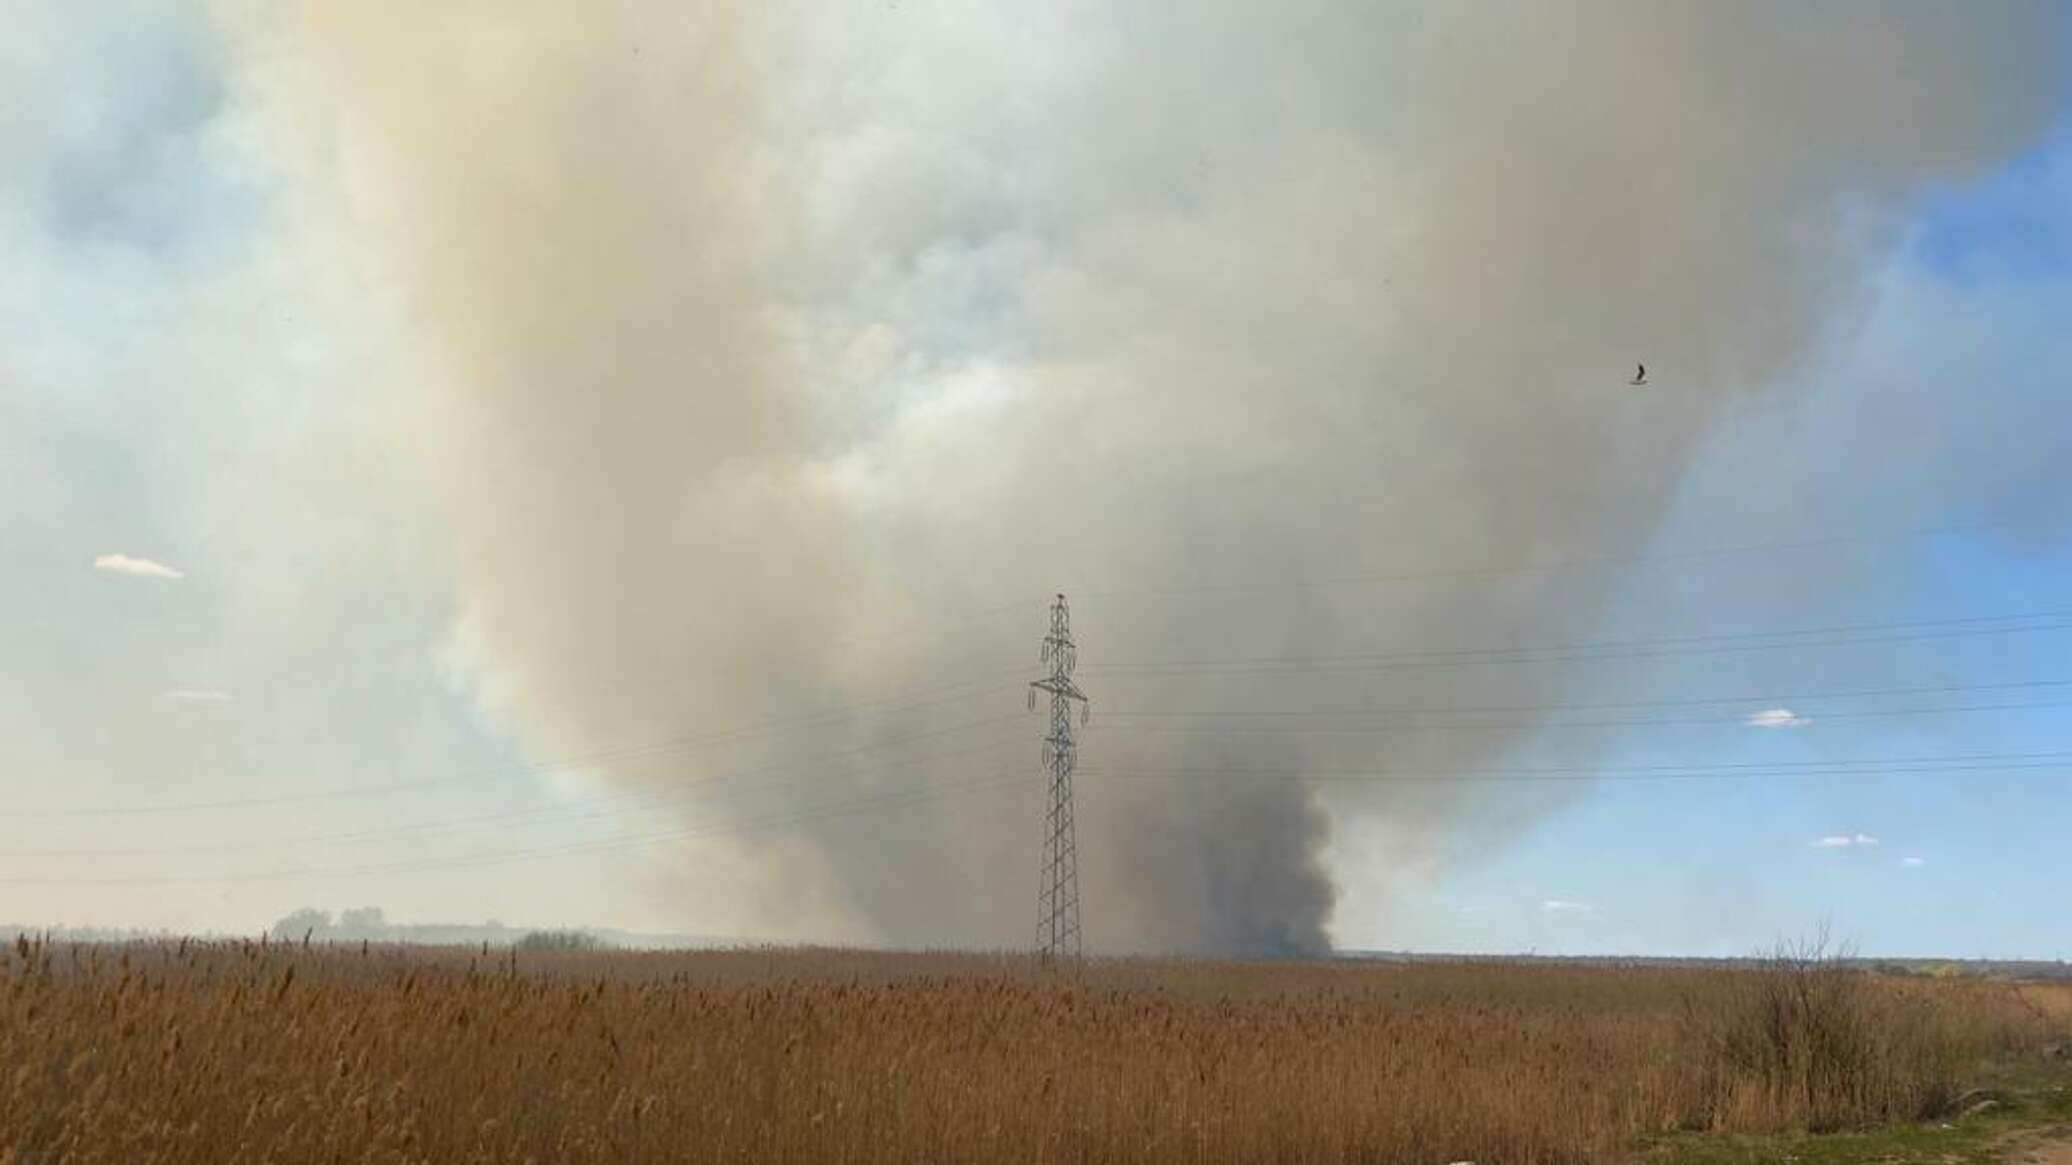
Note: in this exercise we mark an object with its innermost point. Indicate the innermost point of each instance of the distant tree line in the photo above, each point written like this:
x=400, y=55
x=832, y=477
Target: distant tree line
x=369, y=924
x=558, y=940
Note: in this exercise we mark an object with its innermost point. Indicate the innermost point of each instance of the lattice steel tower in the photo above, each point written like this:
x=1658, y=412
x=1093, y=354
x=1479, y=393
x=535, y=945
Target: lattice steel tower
x=1057, y=905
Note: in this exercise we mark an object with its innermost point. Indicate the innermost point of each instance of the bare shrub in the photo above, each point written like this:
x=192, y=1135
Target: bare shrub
x=1806, y=1038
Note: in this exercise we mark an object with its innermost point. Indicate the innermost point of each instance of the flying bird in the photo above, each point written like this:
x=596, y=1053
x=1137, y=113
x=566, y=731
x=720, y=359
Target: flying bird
x=1640, y=374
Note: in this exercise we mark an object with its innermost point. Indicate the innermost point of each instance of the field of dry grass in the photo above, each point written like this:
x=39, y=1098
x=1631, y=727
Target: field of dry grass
x=244, y=1052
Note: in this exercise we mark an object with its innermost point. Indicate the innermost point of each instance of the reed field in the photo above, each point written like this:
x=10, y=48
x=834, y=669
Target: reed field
x=253, y=1052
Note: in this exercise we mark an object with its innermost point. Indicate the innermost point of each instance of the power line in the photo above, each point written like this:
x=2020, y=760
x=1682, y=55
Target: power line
x=1638, y=559
x=1668, y=647
x=1516, y=725
x=623, y=753
x=504, y=772
x=1595, y=706
x=1980, y=762
x=813, y=814
x=1850, y=635
x=674, y=797
x=586, y=810
x=1753, y=697
x=673, y=793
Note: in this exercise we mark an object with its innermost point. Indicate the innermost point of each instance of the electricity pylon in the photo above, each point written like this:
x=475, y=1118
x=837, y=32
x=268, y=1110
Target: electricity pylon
x=1057, y=905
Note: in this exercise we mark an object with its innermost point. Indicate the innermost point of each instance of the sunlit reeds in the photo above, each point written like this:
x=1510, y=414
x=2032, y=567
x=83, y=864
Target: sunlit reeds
x=197, y=1052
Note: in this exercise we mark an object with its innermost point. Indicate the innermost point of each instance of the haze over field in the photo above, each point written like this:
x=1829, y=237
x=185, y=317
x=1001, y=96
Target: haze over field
x=491, y=411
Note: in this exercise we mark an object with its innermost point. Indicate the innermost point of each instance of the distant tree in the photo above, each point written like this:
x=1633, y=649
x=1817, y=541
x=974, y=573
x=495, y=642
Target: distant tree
x=366, y=919
x=558, y=940
x=302, y=922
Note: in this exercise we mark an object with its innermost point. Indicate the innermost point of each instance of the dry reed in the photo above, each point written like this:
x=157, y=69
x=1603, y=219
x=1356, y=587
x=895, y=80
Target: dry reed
x=254, y=1052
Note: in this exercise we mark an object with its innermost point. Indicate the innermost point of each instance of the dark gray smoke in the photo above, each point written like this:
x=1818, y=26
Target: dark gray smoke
x=740, y=354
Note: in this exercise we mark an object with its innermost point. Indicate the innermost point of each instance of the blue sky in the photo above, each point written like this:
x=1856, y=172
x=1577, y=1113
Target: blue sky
x=207, y=330
x=1968, y=863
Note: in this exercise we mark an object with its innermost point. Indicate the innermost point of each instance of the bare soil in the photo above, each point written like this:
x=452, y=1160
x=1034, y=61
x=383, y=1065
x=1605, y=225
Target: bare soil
x=2040, y=1147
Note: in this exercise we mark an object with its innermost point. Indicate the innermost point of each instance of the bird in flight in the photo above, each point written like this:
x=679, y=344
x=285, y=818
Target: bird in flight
x=1640, y=374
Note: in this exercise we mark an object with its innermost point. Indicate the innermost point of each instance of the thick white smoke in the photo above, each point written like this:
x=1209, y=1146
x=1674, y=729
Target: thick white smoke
x=731, y=342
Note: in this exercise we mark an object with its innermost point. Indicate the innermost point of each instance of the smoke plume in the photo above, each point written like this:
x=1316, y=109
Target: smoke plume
x=755, y=366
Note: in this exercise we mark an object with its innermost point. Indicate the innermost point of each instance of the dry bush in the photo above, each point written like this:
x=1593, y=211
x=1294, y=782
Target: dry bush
x=1808, y=1039
x=263, y=1052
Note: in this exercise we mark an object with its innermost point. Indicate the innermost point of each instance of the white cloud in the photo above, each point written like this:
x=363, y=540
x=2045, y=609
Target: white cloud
x=140, y=567
x=1913, y=863
x=199, y=695
x=1562, y=906
x=1778, y=718
x=1843, y=840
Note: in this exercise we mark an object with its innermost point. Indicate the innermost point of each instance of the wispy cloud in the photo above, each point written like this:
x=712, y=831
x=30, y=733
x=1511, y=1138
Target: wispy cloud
x=140, y=567
x=1913, y=863
x=1563, y=906
x=199, y=695
x=1778, y=718
x=1843, y=840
